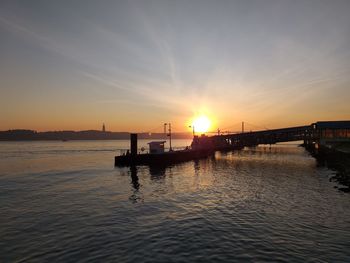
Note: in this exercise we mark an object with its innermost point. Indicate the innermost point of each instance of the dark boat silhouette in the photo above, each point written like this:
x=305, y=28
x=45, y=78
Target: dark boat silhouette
x=158, y=157
x=162, y=158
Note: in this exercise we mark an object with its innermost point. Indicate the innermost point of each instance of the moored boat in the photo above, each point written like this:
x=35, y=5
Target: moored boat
x=157, y=155
x=161, y=158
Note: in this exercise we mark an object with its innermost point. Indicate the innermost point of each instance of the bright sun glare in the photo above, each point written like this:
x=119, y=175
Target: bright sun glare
x=201, y=124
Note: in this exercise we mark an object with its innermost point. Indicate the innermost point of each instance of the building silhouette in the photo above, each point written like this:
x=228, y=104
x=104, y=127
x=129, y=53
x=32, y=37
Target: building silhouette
x=103, y=128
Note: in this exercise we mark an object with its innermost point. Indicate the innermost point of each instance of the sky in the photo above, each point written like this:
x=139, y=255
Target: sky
x=134, y=65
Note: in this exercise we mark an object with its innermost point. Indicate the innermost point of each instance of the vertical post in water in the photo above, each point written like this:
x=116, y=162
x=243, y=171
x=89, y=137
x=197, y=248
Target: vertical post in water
x=242, y=126
x=133, y=144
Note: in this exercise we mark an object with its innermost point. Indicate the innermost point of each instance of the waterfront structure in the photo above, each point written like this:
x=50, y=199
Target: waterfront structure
x=317, y=135
x=320, y=133
x=330, y=132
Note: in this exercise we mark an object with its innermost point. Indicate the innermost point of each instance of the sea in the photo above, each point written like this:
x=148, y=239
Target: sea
x=66, y=202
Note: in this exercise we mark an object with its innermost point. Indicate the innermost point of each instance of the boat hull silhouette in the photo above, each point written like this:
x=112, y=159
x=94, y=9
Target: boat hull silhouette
x=165, y=158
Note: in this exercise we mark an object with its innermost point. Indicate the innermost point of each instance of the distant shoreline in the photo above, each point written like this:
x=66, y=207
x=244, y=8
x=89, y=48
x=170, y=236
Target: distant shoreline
x=30, y=135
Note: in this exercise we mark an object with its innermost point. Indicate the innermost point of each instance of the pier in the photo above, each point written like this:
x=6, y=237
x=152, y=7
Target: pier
x=318, y=134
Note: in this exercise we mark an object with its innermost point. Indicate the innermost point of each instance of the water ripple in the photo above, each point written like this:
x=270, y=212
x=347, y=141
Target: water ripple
x=256, y=205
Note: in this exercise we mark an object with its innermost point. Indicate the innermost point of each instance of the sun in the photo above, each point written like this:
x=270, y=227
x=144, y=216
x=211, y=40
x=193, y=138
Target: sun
x=201, y=124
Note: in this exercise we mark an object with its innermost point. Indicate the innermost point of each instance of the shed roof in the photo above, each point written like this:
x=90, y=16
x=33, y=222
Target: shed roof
x=157, y=142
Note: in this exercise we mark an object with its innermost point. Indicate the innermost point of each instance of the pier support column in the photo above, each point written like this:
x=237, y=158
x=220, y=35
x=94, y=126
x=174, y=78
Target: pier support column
x=133, y=144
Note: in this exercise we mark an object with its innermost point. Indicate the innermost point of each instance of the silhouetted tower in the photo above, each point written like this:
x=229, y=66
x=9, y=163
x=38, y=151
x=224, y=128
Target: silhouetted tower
x=103, y=128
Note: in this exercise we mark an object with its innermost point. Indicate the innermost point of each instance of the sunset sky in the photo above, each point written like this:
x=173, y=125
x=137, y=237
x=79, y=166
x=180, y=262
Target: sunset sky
x=134, y=65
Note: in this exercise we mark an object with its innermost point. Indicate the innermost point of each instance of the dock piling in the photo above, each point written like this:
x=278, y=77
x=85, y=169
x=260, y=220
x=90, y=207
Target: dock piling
x=133, y=144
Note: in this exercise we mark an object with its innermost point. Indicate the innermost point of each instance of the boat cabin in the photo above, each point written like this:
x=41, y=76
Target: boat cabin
x=156, y=146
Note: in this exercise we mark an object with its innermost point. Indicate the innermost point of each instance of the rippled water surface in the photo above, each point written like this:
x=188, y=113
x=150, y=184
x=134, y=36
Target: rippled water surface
x=64, y=201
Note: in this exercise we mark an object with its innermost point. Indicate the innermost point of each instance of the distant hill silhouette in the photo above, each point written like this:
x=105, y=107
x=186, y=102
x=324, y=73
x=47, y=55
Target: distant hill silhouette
x=30, y=135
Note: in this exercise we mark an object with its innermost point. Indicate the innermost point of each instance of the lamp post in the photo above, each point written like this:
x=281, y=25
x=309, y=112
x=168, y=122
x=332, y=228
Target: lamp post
x=170, y=149
x=192, y=126
x=168, y=134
